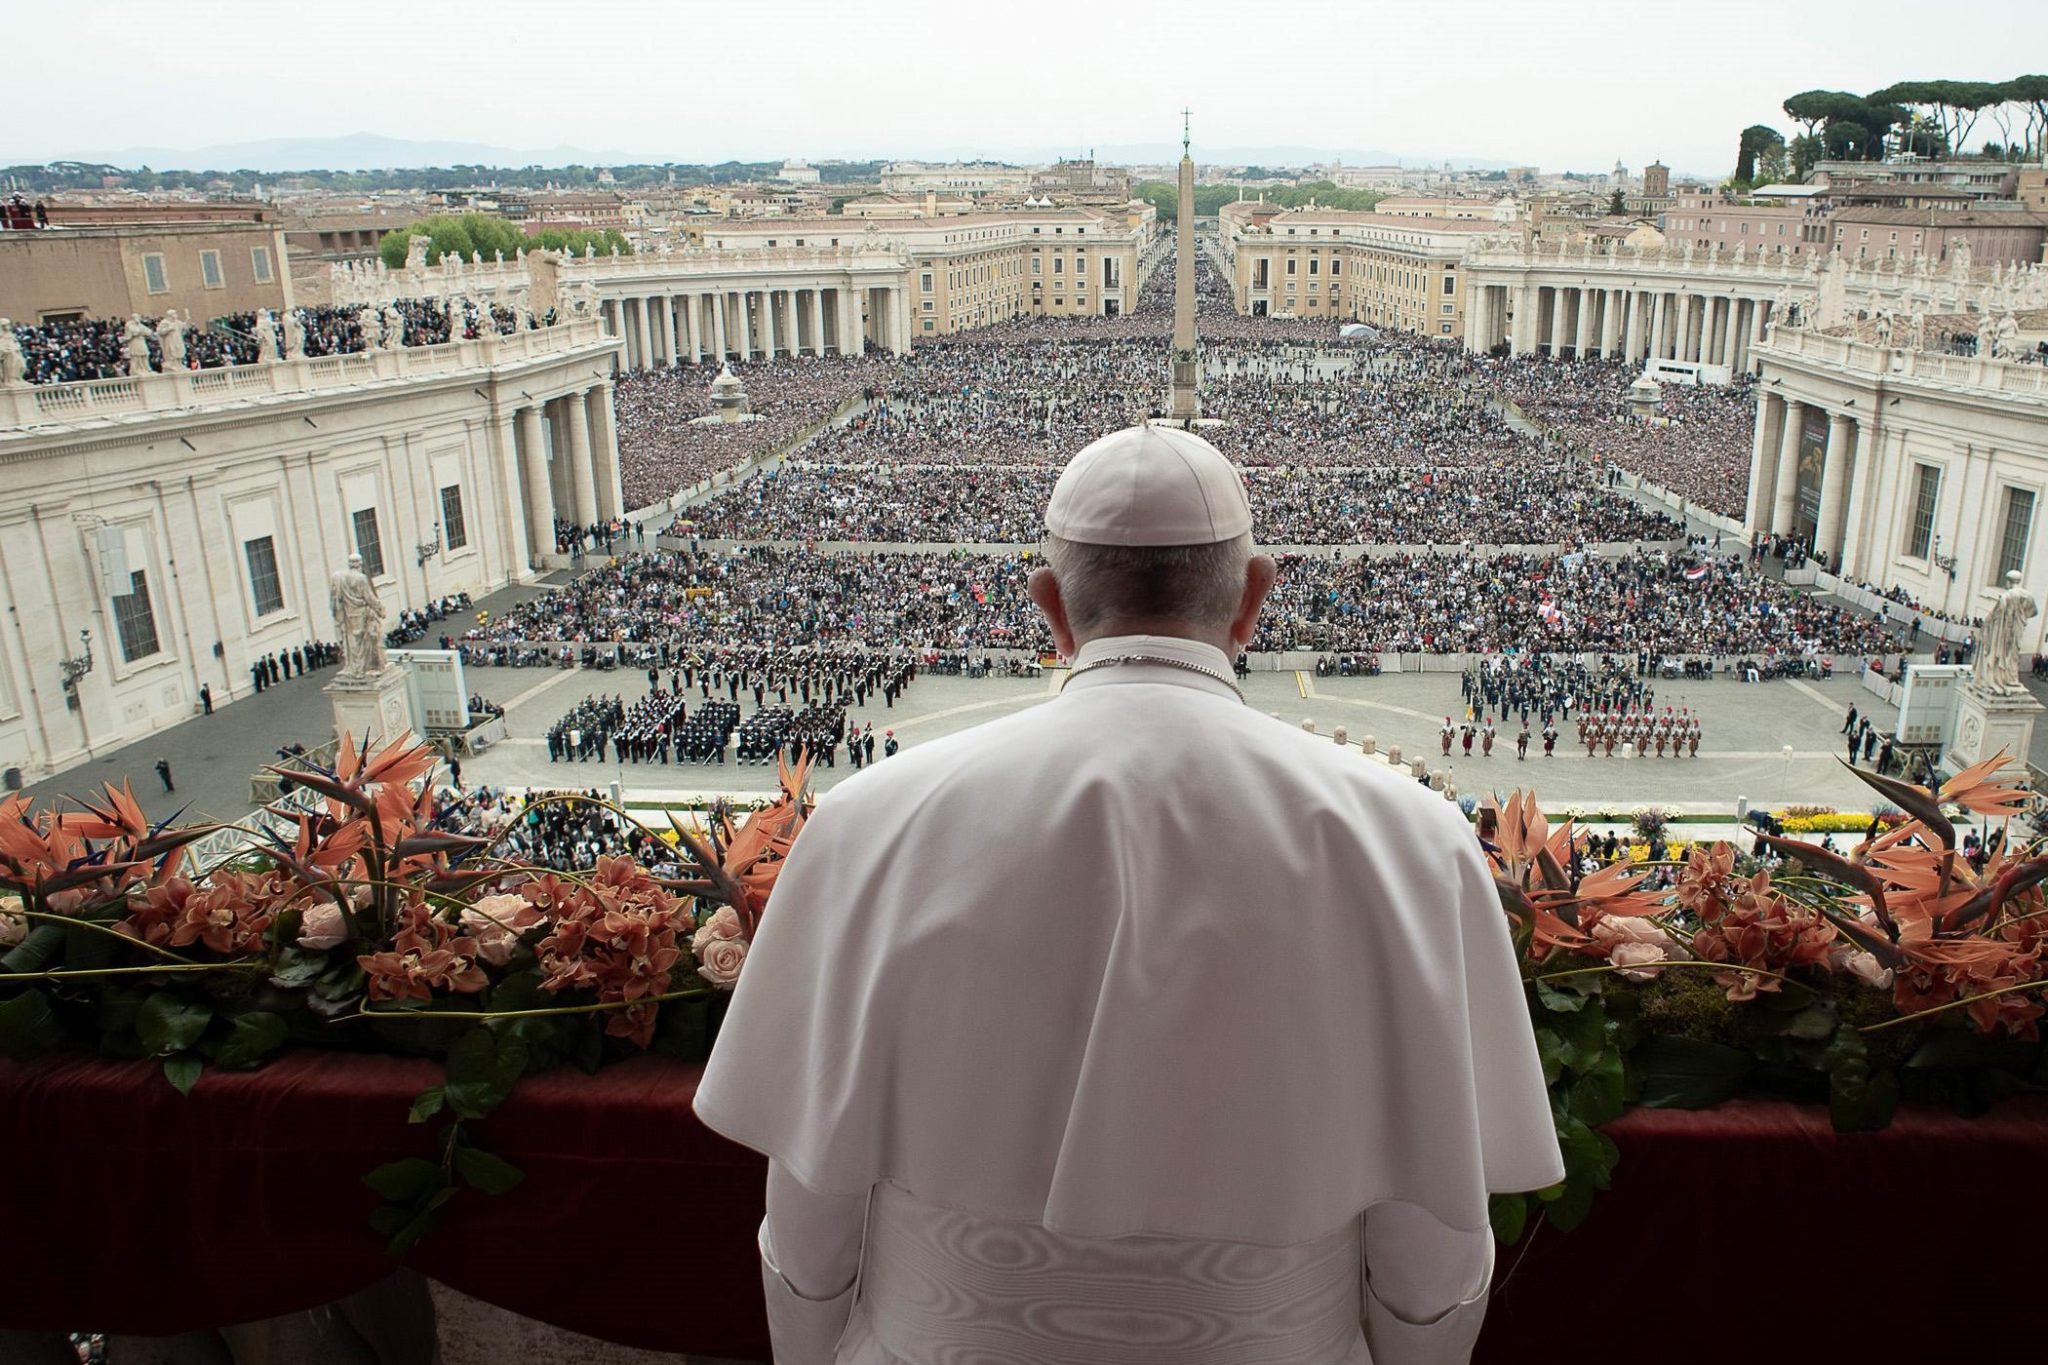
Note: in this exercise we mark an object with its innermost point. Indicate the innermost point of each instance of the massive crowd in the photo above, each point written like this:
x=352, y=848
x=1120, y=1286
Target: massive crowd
x=1698, y=447
x=97, y=348
x=1291, y=506
x=663, y=449
x=781, y=601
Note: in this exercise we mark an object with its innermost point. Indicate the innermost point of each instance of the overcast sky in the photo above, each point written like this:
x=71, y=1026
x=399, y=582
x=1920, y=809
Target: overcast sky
x=1560, y=85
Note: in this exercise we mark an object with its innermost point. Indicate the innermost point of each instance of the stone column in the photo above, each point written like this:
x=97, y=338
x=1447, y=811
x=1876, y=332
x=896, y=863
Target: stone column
x=1763, y=461
x=792, y=341
x=646, y=337
x=1856, y=500
x=718, y=346
x=582, y=482
x=849, y=322
x=1659, y=308
x=540, y=494
x=1523, y=325
x=604, y=453
x=1738, y=335
x=764, y=322
x=1582, y=340
x=518, y=553
x=899, y=321
x=1475, y=318
x=1553, y=326
x=693, y=326
x=1630, y=327
x=667, y=304
x=1834, y=486
x=1785, y=491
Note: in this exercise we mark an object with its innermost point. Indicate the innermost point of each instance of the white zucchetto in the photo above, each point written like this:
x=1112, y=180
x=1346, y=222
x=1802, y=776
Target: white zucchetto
x=1149, y=485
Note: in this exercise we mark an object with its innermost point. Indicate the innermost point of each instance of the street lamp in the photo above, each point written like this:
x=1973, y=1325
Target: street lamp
x=426, y=551
x=79, y=665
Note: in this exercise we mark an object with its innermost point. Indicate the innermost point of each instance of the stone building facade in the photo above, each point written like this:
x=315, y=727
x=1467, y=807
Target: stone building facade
x=189, y=522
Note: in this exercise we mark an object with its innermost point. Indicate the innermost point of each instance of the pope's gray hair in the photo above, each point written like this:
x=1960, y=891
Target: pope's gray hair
x=1198, y=584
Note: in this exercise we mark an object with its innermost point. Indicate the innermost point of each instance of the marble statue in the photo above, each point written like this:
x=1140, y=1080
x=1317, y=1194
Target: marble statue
x=498, y=257
x=2005, y=336
x=266, y=335
x=1884, y=329
x=394, y=327
x=416, y=253
x=1998, y=660
x=13, y=366
x=372, y=325
x=359, y=615
x=590, y=251
x=1916, y=331
x=170, y=339
x=135, y=341
x=1686, y=255
x=294, y=335
x=1741, y=250
x=1959, y=259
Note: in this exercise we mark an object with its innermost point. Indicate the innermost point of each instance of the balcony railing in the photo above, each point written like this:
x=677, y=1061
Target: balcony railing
x=30, y=405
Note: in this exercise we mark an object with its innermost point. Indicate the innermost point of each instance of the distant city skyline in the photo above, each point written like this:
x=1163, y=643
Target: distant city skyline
x=1560, y=86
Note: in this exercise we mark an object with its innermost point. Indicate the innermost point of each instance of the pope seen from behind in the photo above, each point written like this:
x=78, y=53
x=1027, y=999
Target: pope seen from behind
x=1137, y=1026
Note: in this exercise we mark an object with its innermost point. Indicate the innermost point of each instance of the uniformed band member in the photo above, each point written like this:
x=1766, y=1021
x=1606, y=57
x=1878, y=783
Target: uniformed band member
x=992, y=1136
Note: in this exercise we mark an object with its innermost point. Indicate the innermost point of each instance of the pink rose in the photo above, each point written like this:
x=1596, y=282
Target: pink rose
x=496, y=922
x=322, y=928
x=721, y=959
x=1634, y=958
x=1865, y=968
x=724, y=923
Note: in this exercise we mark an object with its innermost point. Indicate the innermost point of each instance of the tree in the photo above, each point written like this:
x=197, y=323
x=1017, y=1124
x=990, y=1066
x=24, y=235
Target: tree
x=1815, y=107
x=1755, y=140
x=2031, y=94
x=474, y=233
x=1617, y=204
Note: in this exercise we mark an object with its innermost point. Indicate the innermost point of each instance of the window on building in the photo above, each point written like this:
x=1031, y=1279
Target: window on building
x=926, y=280
x=135, y=620
x=1290, y=265
x=1314, y=266
x=153, y=277
x=1450, y=285
x=1926, y=492
x=454, y=533
x=259, y=263
x=1447, y=329
x=929, y=307
x=928, y=324
x=209, y=269
x=1034, y=265
x=261, y=554
x=1059, y=265
x=2019, y=524
x=1336, y=267
x=369, y=543
x=1448, y=309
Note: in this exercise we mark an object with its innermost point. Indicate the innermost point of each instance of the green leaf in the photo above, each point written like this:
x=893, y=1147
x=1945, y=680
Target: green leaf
x=1550, y=1051
x=1563, y=1001
x=482, y=1069
x=427, y=1105
x=1861, y=1099
x=182, y=1071
x=486, y=1171
x=255, y=1036
x=1570, y=1208
x=1596, y=1096
x=422, y=1223
x=169, y=1022
x=403, y=1182
x=297, y=967
x=1686, y=1073
x=27, y=1028
x=86, y=950
x=1814, y=1023
x=1966, y=1050
x=1509, y=1214
x=37, y=951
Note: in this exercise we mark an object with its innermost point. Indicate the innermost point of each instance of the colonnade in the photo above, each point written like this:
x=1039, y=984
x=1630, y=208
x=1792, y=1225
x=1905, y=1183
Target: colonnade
x=1777, y=501
x=563, y=460
x=665, y=329
x=1627, y=323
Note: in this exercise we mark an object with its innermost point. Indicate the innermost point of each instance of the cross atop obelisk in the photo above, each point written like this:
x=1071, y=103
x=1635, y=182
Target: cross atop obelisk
x=1185, y=406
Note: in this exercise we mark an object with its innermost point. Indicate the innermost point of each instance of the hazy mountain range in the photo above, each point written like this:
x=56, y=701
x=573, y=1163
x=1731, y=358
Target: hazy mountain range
x=368, y=151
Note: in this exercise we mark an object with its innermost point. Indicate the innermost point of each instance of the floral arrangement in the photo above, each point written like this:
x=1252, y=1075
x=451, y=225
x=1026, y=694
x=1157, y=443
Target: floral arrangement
x=1895, y=972
x=1838, y=822
x=370, y=927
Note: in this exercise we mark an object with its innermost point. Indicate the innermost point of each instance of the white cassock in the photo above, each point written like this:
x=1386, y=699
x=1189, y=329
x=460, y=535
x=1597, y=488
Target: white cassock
x=1134, y=1027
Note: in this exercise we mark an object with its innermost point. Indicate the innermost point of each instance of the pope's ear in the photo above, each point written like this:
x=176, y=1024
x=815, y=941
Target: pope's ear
x=1045, y=595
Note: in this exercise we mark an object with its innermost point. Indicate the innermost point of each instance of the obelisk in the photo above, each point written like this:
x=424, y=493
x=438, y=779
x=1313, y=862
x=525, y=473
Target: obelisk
x=1185, y=406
